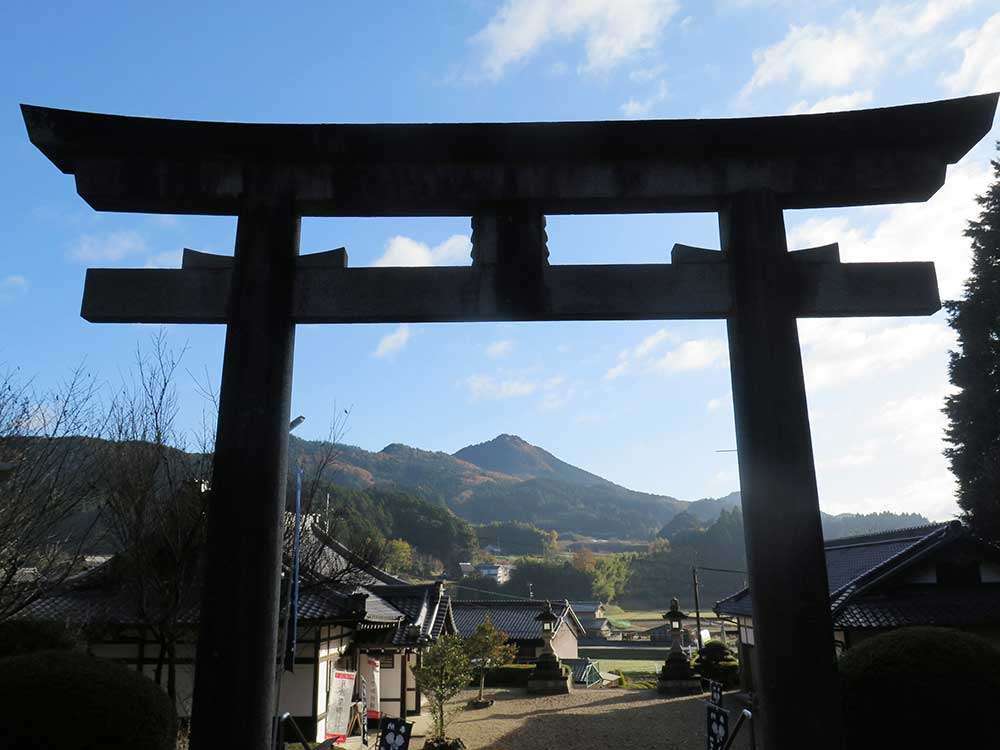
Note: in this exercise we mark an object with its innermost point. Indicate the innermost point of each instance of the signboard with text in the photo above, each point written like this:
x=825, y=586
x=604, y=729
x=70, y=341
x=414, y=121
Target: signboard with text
x=338, y=704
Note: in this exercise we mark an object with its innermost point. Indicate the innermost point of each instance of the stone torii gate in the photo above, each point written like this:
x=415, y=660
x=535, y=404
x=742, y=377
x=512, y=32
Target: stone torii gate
x=507, y=177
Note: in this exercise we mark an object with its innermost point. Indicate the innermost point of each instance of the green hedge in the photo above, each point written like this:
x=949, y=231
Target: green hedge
x=27, y=636
x=902, y=687
x=718, y=662
x=511, y=675
x=65, y=699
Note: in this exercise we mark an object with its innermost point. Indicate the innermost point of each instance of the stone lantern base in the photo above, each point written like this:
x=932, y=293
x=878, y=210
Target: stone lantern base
x=677, y=677
x=549, y=677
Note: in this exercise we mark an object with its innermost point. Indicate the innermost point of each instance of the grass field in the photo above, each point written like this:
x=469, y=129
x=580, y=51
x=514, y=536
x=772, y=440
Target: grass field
x=639, y=674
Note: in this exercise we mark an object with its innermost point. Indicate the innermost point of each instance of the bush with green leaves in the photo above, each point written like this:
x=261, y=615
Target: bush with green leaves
x=903, y=686
x=444, y=672
x=67, y=699
x=28, y=636
x=718, y=662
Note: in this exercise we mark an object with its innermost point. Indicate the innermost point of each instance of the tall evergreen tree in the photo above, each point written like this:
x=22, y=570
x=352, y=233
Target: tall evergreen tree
x=974, y=411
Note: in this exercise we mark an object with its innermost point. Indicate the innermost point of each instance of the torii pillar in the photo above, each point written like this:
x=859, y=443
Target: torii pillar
x=778, y=476
x=507, y=177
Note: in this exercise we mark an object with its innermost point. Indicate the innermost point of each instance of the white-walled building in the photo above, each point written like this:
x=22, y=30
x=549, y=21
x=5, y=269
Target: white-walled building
x=341, y=627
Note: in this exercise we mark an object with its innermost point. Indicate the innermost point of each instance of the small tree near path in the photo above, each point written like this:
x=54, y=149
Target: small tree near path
x=488, y=648
x=444, y=673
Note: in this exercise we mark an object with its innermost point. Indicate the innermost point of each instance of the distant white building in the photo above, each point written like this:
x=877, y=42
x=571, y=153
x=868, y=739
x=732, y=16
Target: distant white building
x=499, y=572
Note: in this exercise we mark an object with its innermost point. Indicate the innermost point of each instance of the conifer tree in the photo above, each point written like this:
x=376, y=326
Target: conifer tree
x=974, y=410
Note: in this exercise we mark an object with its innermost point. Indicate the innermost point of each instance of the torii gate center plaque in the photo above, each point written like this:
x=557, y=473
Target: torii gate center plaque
x=507, y=177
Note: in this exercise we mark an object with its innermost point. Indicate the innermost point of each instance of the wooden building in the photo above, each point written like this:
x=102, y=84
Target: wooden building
x=938, y=574
x=516, y=617
x=341, y=625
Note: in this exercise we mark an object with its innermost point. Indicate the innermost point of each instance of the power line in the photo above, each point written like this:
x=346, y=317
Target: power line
x=492, y=593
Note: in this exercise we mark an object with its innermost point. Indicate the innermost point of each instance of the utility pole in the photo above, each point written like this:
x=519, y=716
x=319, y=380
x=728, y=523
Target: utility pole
x=697, y=605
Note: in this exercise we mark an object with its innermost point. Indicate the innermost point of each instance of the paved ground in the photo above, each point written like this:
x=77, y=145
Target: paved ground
x=592, y=719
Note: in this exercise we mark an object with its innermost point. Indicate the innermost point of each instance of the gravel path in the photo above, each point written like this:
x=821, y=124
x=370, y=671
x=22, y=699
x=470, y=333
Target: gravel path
x=587, y=719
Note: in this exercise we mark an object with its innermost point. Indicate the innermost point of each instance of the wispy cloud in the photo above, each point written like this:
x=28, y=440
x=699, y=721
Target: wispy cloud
x=499, y=349
x=858, y=46
x=111, y=246
x=12, y=287
x=612, y=31
x=979, y=71
x=693, y=354
x=838, y=103
x=641, y=107
x=489, y=387
x=406, y=251
x=696, y=354
x=390, y=344
x=836, y=352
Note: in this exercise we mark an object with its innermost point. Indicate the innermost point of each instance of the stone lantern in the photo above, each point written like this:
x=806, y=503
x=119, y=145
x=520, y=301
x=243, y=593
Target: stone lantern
x=549, y=675
x=676, y=675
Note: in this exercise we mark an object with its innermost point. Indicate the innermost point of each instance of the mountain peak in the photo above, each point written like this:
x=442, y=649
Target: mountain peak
x=515, y=456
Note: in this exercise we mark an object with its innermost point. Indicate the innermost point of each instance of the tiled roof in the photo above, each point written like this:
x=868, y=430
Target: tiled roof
x=852, y=563
x=516, y=617
x=424, y=613
x=962, y=606
x=584, y=670
x=409, y=614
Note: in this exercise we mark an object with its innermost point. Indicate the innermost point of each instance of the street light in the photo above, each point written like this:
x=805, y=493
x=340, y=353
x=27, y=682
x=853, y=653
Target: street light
x=296, y=422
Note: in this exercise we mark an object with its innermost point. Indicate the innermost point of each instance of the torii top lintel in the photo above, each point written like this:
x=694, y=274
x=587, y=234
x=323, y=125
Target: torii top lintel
x=876, y=156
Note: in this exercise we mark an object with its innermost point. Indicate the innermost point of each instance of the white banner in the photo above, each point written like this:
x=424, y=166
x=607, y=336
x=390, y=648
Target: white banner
x=372, y=670
x=338, y=704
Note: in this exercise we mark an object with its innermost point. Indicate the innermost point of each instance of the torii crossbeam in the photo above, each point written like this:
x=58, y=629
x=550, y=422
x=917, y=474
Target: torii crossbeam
x=507, y=177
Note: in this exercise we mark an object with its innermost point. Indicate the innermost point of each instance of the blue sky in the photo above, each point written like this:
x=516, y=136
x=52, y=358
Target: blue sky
x=646, y=404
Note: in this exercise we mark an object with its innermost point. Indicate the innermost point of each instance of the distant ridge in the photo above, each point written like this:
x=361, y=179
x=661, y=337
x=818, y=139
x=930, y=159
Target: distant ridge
x=509, y=479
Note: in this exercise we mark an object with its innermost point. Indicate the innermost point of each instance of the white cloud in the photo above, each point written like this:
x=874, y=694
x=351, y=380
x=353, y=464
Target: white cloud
x=838, y=351
x=489, y=387
x=499, y=348
x=838, y=103
x=641, y=107
x=12, y=286
x=979, y=72
x=169, y=259
x=112, y=246
x=612, y=30
x=858, y=46
x=393, y=342
x=647, y=74
x=405, y=251
x=696, y=354
x=714, y=404
x=629, y=357
x=556, y=393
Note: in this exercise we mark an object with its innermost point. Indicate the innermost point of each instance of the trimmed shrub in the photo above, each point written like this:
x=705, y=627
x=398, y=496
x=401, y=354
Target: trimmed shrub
x=28, y=636
x=718, y=662
x=509, y=675
x=903, y=687
x=67, y=699
x=716, y=650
